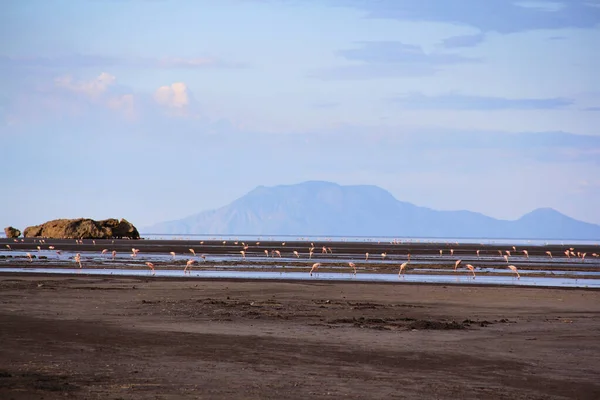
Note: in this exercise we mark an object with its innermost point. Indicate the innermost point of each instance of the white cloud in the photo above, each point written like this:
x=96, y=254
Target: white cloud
x=92, y=88
x=175, y=98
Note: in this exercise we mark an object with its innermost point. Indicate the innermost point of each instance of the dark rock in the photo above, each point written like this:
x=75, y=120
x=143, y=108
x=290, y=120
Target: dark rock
x=11, y=232
x=84, y=228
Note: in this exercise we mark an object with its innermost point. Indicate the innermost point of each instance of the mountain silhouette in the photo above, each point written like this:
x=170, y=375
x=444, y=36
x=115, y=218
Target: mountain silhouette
x=317, y=208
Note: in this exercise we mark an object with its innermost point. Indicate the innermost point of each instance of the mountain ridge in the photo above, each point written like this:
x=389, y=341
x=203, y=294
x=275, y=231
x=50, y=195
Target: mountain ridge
x=320, y=208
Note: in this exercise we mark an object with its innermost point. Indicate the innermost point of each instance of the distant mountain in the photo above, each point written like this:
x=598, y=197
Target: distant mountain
x=323, y=208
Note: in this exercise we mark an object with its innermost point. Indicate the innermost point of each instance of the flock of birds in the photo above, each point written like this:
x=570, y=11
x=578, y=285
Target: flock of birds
x=569, y=253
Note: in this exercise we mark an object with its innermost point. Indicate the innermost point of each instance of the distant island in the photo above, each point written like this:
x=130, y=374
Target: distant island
x=317, y=208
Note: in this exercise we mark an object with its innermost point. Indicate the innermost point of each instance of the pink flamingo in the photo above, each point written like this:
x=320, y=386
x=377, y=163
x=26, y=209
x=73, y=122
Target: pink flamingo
x=402, y=266
x=78, y=259
x=526, y=253
x=456, y=264
x=296, y=254
x=314, y=268
x=471, y=268
x=353, y=266
x=151, y=266
x=514, y=269
x=189, y=264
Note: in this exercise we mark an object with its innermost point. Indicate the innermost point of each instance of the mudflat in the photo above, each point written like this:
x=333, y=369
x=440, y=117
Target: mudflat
x=90, y=337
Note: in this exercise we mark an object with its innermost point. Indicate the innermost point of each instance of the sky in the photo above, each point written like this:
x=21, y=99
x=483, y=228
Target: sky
x=153, y=110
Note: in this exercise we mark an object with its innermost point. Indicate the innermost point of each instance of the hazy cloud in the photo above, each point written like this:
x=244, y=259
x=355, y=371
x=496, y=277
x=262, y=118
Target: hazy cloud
x=451, y=101
x=463, y=41
x=73, y=61
x=388, y=59
x=503, y=16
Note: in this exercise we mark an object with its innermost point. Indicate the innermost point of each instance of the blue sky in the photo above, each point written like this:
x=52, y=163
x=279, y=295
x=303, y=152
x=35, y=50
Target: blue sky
x=154, y=110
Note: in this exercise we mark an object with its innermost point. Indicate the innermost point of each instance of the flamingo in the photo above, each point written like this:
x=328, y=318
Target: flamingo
x=500, y=252
x=39, y=248
x=408, y=256
x=383, y=256
x=353, y=266
x=314, y=267
x=172, y=253
x=508, y=253
x=50, y=247
x=477, y=253
x=549, y=254
x=324, y=250
x=456, y=264
x=192, y=251
x=151, y=266
x=104, y=251
x=114, y=254
x=471, y=268
x=189, y=264
x=567, y=254
x=296, y=254
x=514, y=269
x=583, y=257
x=203, y=256
x=277, y=252
x=366, y=256
x=526, y=253
x=243, y=253
x=330, y=251
x=8, y=246
x=310, y=254
x=506, y=258
x=514, y=249
x=402, y=266
x=78, y=259
x=441, y=252
x=451, y=252
x=134, y=252
x=30, y=258
x=266, y=252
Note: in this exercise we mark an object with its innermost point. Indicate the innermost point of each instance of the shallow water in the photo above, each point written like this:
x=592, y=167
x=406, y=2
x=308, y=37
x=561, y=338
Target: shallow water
x=361, y=277
x=368, y=239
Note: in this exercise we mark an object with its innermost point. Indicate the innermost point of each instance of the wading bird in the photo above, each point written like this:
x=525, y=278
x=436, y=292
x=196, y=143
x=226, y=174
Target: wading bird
x=402, y=266
x=506, y=258
x=151, y=266
x=277, y=252
x=243, y=253
x=514, y=269
x=526, y=253
x=567, y=254
x=353, y=266
x=366, y=256
x=134, y=252
x=30, y=258
x=8, y=246
x=441, y=252
x=324, y=250
x=383, y=256
x=314, y=268
x=172, y=253
x=78, y=259
x=451, y=252
x=192, y=251
x=189, y=264
x=549, y=254
x=114, y=254
x=266, y=252
x=310, y=254
x=104, y=251
x=456, y=264
x=296, y=254
x=471, y=268
x=507, y=253
x=477, y=253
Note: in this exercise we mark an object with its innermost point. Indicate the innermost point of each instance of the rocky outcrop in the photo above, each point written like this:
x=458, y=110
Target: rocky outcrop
x=11, y=232
x=84, y=228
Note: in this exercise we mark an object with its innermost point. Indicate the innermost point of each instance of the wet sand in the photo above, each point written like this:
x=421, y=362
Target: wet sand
x=139, y=338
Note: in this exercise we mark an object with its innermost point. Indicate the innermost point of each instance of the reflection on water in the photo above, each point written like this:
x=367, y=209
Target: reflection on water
x=361, y=277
